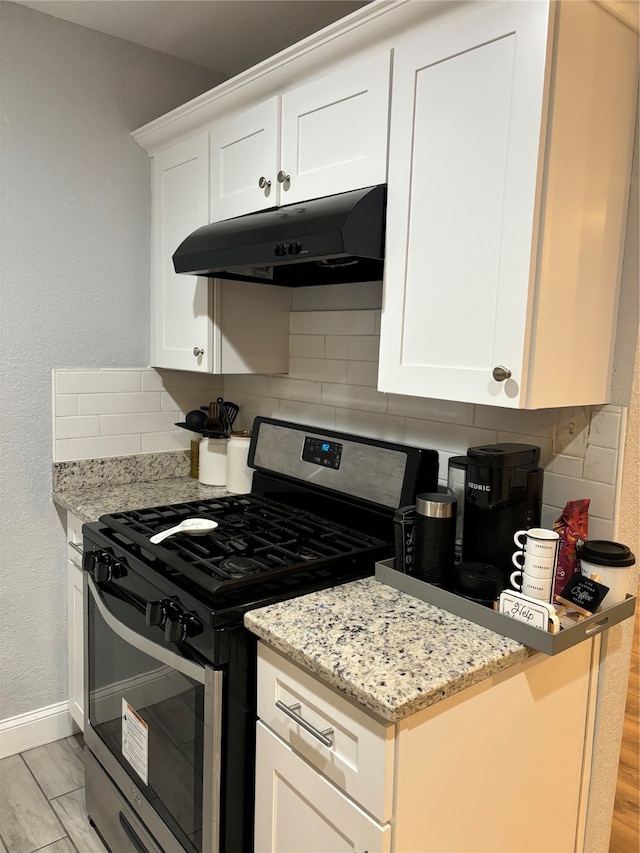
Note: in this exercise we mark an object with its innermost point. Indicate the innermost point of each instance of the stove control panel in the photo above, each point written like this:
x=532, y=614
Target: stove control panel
x=322, y=452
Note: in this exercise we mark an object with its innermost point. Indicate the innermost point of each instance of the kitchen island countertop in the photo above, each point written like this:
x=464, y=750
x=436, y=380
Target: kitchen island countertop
x=391, y=652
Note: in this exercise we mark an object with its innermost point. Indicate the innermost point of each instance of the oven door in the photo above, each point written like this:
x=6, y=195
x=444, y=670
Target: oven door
x=152, y=719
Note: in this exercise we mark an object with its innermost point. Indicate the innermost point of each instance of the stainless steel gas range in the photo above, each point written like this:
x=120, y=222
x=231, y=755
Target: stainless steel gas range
x=170, y=670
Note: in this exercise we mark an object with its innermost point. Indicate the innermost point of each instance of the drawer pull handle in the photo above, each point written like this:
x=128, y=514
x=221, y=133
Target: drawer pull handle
x=77, y=547
x=293, y=712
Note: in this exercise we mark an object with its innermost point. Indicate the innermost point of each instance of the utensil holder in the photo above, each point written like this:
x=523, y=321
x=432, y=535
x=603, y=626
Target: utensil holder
x=213, y=462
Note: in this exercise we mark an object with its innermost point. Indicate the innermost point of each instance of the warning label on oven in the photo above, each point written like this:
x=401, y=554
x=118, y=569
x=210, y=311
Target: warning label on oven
x=135, y=741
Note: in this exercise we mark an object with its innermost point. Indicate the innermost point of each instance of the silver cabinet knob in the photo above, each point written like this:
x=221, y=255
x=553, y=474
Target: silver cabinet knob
x=198, y=351
x=501, y=373
x=263, y=183
x=283, y=177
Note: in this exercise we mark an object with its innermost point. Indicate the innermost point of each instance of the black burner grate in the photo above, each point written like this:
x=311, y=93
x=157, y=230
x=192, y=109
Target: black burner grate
x=256, y=540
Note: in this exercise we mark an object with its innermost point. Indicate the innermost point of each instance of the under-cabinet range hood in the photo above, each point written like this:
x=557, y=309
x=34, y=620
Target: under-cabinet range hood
x=330, y=240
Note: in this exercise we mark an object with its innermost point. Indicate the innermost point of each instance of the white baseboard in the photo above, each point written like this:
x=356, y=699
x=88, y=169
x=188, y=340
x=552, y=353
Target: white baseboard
x=36, y=728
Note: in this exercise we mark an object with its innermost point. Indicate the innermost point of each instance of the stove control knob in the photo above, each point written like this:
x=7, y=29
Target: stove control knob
x=155, y=613
x=99, y=564
x=180, y=627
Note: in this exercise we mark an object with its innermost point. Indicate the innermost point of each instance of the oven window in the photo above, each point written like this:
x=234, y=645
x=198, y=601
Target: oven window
x=150, y=717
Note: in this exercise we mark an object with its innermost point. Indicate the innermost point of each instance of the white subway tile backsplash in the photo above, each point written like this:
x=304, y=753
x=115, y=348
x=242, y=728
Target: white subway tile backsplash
x=161, y=442
x=152, y=380
x=359, y=347
x=571, y=431
x=354, y=397
x=557, y=490
x=601, y=464
x=305, y=413
x=386, y=427
x=605, y=427
x=99, y=447
x=300, y=322
x=65, y=405
x=362, y=373
x=246, y=384
x=450, y=437
x=600, y=528
x=539, y=422
x=319, y=369
x=97, y=381
x=342, y=322
x=445, y=411
x=302, y=390
x=138, y=423
x=78, y=427
x=568, y=466
x=306, y=346
x=97, y=404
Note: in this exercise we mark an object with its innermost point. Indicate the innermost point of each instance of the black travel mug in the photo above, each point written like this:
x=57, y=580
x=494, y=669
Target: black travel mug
x=435, y=538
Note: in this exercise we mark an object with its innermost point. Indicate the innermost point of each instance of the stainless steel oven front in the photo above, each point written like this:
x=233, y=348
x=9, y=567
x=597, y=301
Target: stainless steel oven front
x=168, y=742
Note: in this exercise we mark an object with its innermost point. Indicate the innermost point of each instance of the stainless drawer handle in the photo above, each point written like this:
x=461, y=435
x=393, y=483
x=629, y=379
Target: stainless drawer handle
x=293, y=712
x=77, y=548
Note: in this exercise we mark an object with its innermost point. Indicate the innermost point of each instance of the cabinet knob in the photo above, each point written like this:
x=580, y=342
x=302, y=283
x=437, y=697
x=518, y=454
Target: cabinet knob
x=198, y=351
x=501, y=373
x=263, y=183
x=283, y=178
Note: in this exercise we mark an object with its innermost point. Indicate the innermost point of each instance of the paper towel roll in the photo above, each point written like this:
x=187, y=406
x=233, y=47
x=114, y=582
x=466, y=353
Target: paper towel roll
x=213, y=462
x=239, y=475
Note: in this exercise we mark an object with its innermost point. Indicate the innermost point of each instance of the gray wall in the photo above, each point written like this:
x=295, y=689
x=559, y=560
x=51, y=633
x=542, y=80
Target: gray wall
x=74, y=278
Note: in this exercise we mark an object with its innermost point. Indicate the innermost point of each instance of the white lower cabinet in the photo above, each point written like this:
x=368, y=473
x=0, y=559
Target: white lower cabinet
x=75, y=622
x=500, y=766
x=298, y=809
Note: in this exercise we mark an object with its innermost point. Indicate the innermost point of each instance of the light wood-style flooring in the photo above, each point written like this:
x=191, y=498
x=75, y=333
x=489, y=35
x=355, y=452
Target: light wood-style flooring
x=625, y=828
x=42, y=801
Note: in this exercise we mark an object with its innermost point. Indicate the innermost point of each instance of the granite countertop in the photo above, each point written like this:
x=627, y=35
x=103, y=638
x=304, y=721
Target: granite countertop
x=90, y=502
x=391, y=652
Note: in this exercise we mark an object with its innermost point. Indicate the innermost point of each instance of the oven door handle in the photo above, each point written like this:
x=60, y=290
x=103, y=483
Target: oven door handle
x=183, y=665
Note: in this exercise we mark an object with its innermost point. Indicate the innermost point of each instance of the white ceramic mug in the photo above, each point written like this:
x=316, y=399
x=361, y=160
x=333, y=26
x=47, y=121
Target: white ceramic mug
x=539, y=588
x=538, y=541
x=537, y=567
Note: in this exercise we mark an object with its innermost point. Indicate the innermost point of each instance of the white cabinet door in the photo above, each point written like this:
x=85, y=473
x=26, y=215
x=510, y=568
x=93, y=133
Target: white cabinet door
x=244, y=161
x=75, y=622
x=465, y=128
x=182, y=328
x=335, y=131
x=297, y=809
x=324, y=137
x=511, y=133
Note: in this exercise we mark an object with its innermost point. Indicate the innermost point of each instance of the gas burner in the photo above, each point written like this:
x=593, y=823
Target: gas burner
x=237, y=567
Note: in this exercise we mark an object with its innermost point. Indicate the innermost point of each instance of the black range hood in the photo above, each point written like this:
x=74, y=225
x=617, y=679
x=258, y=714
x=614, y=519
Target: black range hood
x=331, y=240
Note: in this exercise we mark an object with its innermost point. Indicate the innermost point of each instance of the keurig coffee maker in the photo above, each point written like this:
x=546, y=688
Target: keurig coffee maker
x=503, y=493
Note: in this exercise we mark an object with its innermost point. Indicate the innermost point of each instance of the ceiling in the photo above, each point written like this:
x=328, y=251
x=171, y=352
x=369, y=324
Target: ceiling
x=227, y=36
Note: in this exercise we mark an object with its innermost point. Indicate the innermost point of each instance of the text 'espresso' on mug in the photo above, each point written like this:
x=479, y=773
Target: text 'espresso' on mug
x=435, y=538
x=538, y=541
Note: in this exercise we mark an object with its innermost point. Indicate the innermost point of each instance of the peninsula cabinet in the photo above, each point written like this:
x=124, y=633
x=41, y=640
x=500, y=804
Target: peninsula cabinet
x=509, y=171
x=202, y=324
x=500, y=766
x=324, y=137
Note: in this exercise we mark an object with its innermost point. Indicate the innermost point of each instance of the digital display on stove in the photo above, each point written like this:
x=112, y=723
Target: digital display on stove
x=319, y=451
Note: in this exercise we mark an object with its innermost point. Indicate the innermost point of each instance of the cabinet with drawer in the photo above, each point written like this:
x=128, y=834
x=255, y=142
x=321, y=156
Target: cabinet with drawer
x=331, y=776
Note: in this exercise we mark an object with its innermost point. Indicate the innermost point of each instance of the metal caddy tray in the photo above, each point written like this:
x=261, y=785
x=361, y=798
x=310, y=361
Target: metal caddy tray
x=542, y=641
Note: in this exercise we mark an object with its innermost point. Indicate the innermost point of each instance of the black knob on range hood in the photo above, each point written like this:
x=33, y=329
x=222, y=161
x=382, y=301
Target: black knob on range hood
x=330, y=240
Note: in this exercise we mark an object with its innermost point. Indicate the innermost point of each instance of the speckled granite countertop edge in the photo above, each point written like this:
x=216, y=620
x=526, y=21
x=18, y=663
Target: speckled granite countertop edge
x=390, y=652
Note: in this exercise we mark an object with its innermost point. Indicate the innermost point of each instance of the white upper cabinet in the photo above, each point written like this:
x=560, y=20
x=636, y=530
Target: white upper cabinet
x=324, y=137
x=180, y=303
x=509, y=162
x=202, y=324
